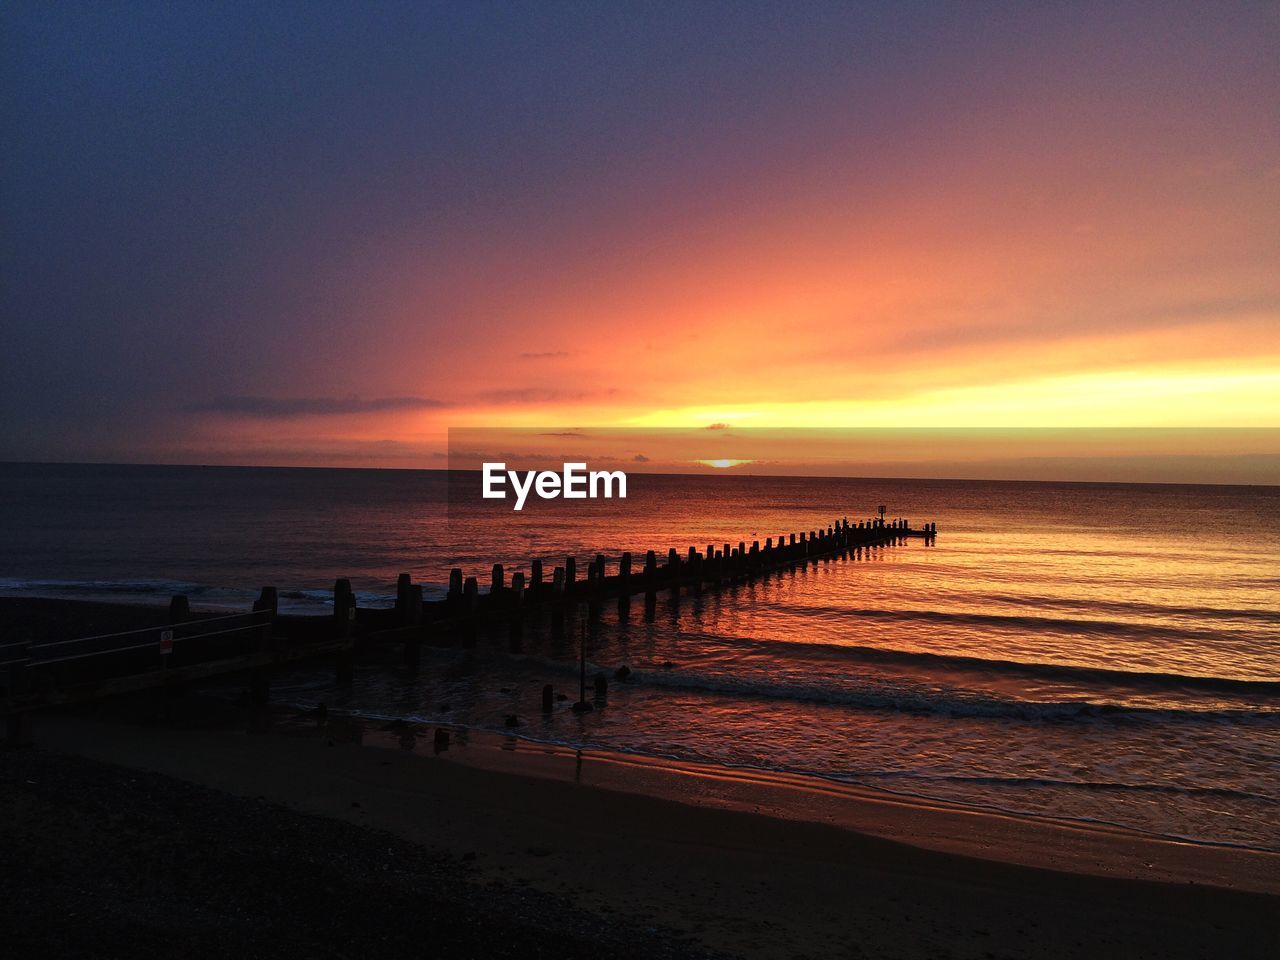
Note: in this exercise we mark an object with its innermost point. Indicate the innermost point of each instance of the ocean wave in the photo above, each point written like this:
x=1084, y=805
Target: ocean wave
x=919, y=699
x=1123, y=607
x=1056, y=784
x=1025, y=623
x=1140, y=679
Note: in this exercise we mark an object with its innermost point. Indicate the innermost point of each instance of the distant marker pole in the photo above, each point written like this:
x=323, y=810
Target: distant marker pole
x=582, y=706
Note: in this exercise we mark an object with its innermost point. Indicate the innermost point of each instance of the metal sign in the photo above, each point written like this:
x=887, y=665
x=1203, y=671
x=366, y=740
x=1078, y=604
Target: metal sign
x=166, y=642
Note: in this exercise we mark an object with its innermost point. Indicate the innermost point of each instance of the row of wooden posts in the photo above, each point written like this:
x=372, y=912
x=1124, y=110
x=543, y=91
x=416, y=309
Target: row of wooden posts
x=694, y=570
x=464, y=606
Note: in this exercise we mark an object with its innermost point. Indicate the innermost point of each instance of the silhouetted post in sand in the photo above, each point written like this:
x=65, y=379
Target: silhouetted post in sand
x=602, y=688
x=535, y=575
x=470, y=594
x=179, y=609
x=624, y=585
x=570, y=574
x=515, y=628
x=557, y=611
x=415, y=604
x=548, y=699
x=499, y=581
x=260, y=680
x=344, y=607
x=413, y=642
x=404, y=603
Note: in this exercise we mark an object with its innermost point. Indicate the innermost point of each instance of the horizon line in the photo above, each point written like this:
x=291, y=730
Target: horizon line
x=727, y=473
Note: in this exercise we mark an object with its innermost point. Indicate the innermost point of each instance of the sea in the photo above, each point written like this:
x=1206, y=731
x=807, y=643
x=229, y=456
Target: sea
x=1091, y=653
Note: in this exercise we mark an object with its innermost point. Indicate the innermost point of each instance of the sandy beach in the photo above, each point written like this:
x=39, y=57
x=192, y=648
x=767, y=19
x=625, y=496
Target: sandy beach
x=734, y=864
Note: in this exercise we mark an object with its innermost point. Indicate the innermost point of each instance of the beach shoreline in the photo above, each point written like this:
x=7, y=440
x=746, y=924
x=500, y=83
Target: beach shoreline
x=748, y=864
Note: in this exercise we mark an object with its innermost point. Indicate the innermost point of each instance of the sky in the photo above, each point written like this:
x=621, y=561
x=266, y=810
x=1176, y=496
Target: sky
x=327, y=233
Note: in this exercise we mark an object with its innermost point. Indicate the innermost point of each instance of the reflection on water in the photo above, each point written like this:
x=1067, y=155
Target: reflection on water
x=1099, y=652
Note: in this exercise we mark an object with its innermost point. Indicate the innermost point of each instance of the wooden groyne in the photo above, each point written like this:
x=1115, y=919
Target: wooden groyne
x=190, y=648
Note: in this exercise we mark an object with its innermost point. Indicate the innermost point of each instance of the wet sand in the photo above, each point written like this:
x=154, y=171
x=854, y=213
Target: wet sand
x=751, y=867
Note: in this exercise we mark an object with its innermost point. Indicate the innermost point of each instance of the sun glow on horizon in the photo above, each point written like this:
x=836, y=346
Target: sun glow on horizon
x=1149, y=398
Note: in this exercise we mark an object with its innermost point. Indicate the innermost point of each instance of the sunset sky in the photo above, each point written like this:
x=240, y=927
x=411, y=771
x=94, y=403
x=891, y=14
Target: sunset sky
x=326, y=233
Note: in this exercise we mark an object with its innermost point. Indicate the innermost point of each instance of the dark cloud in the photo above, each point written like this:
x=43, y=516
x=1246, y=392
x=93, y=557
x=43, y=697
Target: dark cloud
x=547, y=355
x=640, y=458
x=717, y=426
x=272, y=408
x=532, y=395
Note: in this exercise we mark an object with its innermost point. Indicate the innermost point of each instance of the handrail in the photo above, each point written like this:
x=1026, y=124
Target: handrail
x=18, y=653
x=167, y=626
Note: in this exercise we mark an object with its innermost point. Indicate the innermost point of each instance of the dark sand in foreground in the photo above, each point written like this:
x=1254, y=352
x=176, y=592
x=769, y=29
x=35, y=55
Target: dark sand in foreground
x=710, y=868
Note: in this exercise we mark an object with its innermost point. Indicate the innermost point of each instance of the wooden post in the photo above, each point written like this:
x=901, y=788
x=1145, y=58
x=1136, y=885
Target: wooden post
x=548, y=699
x=414, y=610
x=344, y=609
x=515, y=626
x=624, y=571
x=499, y=580
x=260, y=678
x=570, y=574
x=583, y=705
x=413, y=642
x=470, y=594
x=403, y=584
x=557, y=609
x=179, y=609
